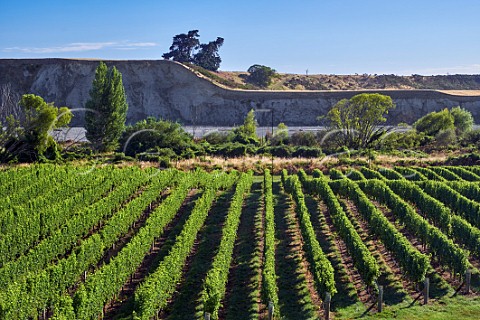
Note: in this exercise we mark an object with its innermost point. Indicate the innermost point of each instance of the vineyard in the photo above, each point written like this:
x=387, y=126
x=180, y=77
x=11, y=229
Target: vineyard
x=128, y=243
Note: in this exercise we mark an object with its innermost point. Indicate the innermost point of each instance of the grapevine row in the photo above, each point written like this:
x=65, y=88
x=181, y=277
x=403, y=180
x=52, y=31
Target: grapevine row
x=63, y=239
x=322, y=269
x=269, y=274
x=451, y=224
x=468, y=209
x=467, y=189
x=390, y=174
x=43, y=182
x=44, y=215
x=410, y=174
x=371, y=174
x=442, y=247
x=412, y=262
x=431, y=175
x=216, y=279
x=463, y=173
x=39, y=290
x=362, y=258
x=154, y=293
x=446, y=174
x=105, y=282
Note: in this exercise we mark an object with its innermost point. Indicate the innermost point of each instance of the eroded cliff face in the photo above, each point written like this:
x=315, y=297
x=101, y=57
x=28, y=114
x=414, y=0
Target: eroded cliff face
x=168, y=90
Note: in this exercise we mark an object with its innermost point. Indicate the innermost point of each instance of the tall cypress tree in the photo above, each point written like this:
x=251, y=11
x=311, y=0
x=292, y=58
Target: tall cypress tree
x=106, y=110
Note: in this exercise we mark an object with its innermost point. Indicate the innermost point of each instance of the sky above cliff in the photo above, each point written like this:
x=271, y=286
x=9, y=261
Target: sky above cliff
x=322, y=36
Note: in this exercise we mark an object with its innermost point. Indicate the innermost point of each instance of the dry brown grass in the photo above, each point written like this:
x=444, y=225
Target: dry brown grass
x=461, y=92
x=258, y=163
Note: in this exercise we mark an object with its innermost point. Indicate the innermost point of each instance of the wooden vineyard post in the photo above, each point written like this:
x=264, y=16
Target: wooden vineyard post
x=426, y=290
x=271, y=310
x=326, y=305
x=380, y=298
x=207, y=316
x=468, y=280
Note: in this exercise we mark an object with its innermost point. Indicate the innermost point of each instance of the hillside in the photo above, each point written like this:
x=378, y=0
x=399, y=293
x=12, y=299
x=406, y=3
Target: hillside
x=287, y=81
x=168, y=90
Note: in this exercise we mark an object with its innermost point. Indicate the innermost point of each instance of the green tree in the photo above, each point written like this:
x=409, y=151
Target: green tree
x=358, y=119
x=280, y=135
x=152, y=135
x=247, y=133
x=182, y=47
x=260, y=75
x=107, y=109
x=207, y=57
x=434, y=122
x=28, y=138
x=462, y=119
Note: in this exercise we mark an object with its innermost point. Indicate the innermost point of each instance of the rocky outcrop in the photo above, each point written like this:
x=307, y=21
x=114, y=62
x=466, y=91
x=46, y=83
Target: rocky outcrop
x=169, y=90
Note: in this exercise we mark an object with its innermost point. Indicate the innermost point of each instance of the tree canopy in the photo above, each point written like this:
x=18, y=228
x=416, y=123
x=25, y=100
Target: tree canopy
x=434, y=122
x=151, y=135
x=260, y=75
x=462, y=119
x=182, y=47
x=207, y=57
x=247, y=133
x=106, y=109
x=27, y=138
x=357, y=120
x=186, y=48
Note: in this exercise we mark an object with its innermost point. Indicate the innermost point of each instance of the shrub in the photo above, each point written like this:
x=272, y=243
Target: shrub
x=303, y=138
x=308, y=152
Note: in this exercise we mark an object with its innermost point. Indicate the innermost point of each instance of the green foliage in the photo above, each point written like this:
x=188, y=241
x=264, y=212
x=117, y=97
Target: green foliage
x=434, y=122
x=442, y=247
x=280, y=136
x=463, y=120
x=157, y=137
x=269, y=274
x=217, y=137
x=471, y=137
x=216, y=279
x=307, y=152
x=362, y=258
x=445, y=138
x=396, y=140
x=234, y=150
x=207, y=57
x=247, y=133
x=321, y=267
x=47, y=282
x=28, y=138
x=260, y=75
x=303, y=138
x=158, y=287
x=413, y=263
x=107, y=109
x=358, y=118
x=182, y=47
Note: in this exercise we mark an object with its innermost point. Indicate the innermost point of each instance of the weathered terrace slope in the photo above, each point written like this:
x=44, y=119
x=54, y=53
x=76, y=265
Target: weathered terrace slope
x=170, y=90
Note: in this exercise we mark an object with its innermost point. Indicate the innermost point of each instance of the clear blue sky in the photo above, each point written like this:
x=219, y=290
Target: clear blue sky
x=323, y=36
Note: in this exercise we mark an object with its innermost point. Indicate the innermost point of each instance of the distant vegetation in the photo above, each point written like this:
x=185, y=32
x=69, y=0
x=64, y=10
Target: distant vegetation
x=186, y=48
x=354, y=82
